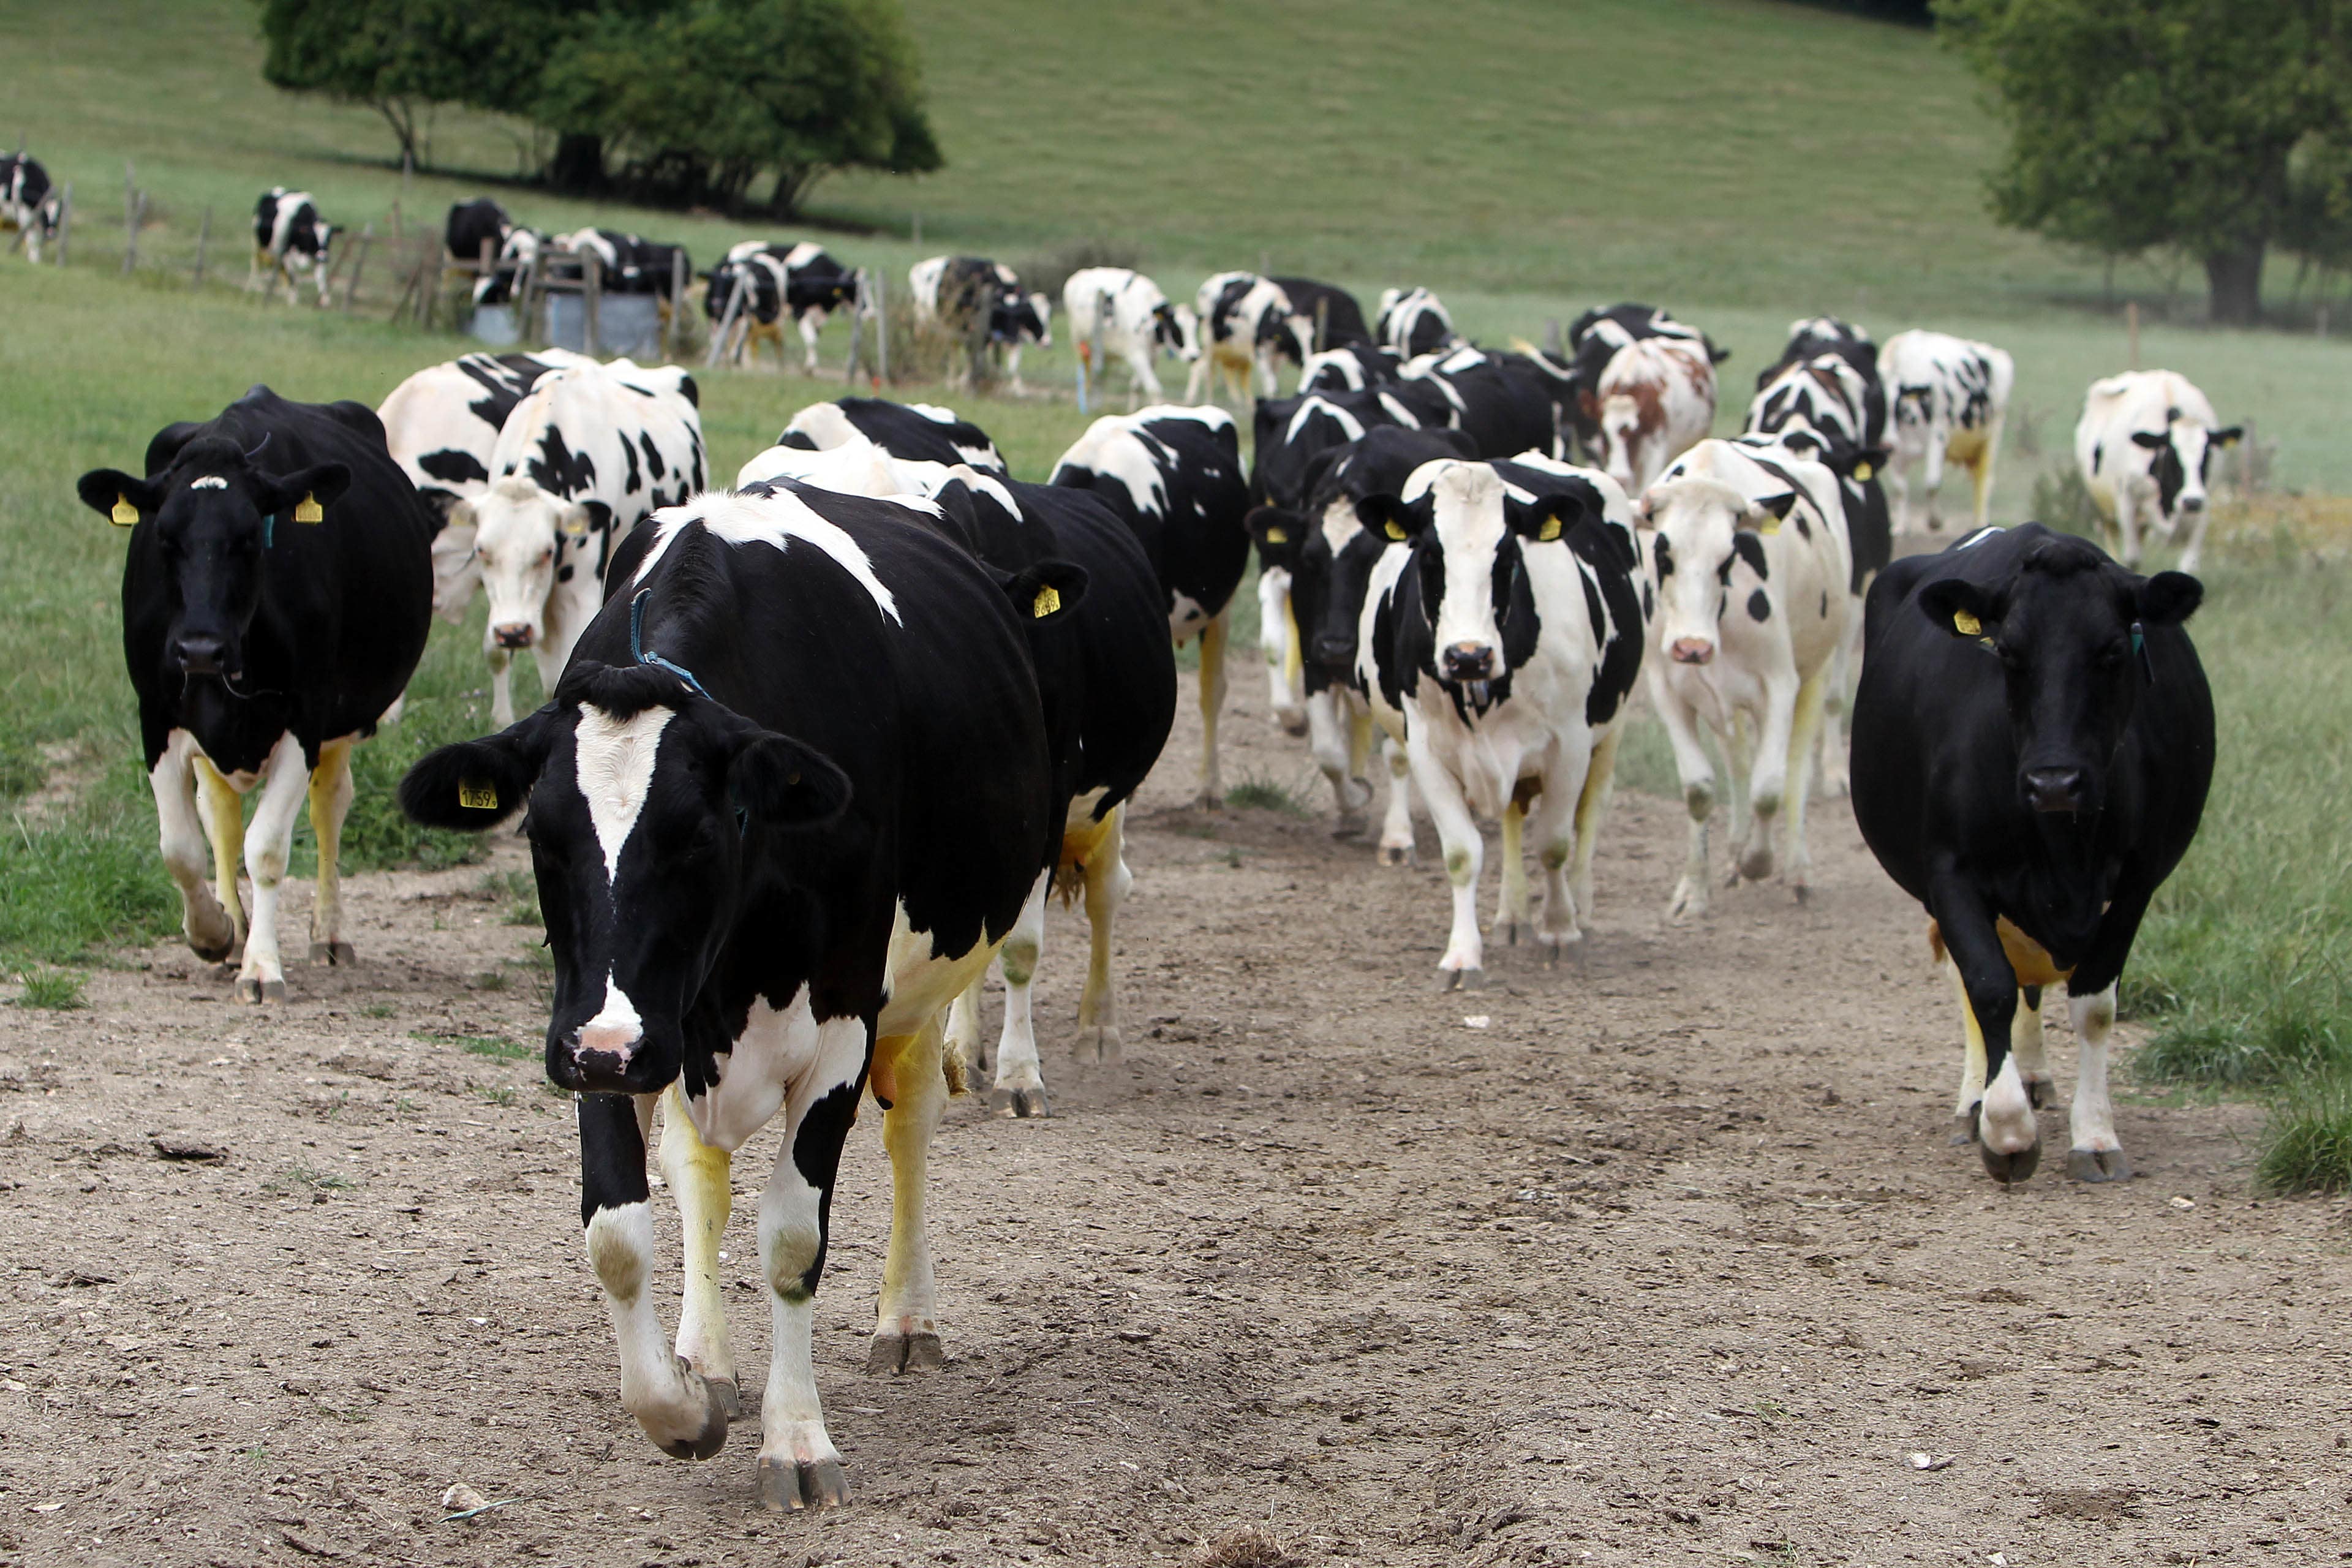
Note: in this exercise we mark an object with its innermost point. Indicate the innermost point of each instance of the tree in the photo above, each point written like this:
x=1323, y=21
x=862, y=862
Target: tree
x=707, y=96
x=2136, y=123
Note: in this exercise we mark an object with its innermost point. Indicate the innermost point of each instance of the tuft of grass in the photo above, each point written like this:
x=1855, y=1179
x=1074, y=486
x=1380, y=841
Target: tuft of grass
x=2307, y=1143
x=1264, y=792
x=60, y=990
x=302, y=1178
x=484, y=1045
x=379, y=1010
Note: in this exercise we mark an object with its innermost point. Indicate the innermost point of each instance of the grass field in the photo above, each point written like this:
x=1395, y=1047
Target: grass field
x=1769, y=161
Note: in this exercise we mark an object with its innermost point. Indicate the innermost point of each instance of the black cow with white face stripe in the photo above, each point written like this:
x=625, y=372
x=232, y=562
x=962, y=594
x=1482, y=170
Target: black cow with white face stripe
x=28, y=204
x=290, y=237
x=791, y=796
x=275, y=601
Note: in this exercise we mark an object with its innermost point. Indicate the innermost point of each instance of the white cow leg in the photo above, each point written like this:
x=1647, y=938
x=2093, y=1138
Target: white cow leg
x=1592, y=810
x=1697, y=774
x=906, y=1328
x=963, y=1025
x=1552, y=825
x=2192, y=551
x=700, y=1177
x=1511, y=915
x=2127, y=521
x=1107, y=881
x=2026, y=1047
x=1812, y=697
x=1396, y=825
x=1146, y=380
x=1199, y=378
x=1464, y=965
x=811, y=322
x=1739, y=753
x=1836, y=775
x=1767, y=776
x=1932, y=481
x=1019, y=1082
x=331, y=803
x=2096, y=1155
x=211, y=935
x=1211, y=794
x=501, y=664
x=1972, y=1062
x=1279, y=637
x=1329, y=738
x=224, y=810
x=284, y=782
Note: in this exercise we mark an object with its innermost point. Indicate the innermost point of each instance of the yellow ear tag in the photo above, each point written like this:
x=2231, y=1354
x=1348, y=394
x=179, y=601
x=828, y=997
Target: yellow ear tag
x=1395, y=532
x=1548, y=531
x=1048, y=600
x=124, y=514
x=475, y=796
x=1770, y=525
x=1967, y=625
x=1276, y=536
x=575, y=527
x=308, y=509
x=1863, y=471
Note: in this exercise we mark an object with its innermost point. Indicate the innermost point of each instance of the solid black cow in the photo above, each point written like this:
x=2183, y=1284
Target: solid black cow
x=1323, y=308
x=472, y=224
x=27, y=204
x=2032, y=742
x=1174, y=476
x=289, y=236
x=773, y=279
x=802, y=721
x=275, y=599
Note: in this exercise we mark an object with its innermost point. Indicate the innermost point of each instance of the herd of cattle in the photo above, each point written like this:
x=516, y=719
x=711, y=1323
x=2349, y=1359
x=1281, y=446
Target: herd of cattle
x=820, y=742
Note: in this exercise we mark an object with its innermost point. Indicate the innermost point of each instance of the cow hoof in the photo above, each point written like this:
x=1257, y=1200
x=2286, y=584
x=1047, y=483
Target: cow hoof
x=1350, y=826
x=730, y=1397
x=2009, y=1169
x=2098, y=1165
x=2040, y=1093
x=1509, y=930
x=785, y=1485
x=895, y=1354
x=333, y=952
x=1803, y=891
x=1461, y=980
x=702, y=1444
x=1098, y=1043
x=1758, y=866
x=1689, y=900
x=1396, y=854
x=1022, y=1103
x=212, y=954
x=257, y=991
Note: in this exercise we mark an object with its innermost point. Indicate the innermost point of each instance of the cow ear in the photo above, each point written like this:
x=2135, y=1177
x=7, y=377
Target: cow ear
x=302, y=492
x=1644, y=510
x=1386, y=517
x=777, y=781
x=1546, y=518
x=573, y=521
x=2154, y=440
x=117, y=497
x=2169, y=598
x=1045, y=591
x=1961, y=608
x=1277, y=533
x=2227, y=435
x=476, y=784
x=1766, y=514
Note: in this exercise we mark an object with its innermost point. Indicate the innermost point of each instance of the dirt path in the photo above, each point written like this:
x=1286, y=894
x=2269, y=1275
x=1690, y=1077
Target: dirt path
x=1670, y=1262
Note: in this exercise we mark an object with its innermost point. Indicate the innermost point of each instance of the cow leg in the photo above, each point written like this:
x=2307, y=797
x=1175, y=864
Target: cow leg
x=2096, y=1155
x=1146, y=379
x=676, y=1408
x=1329, y=735
x=1278, y=635
x=212, y=933
x=799, y=1466
x=906, y=1329
x=1195, y=382
x=1697, y=774
x=1211, y=795
x=700, y=1179
x=331, y=802
x=811, y=322
x=501, y=664
x=284, y=778
x=1511, y=905
x=1770, y=781
x=1020, y=1084
x=2001, y=1118
x=1980, y=471
x=963, y=1025
x=1396, y=825
x=2191, y=551
x=1457, y=833
x=224, y=811
x=2025, y=1044
x=1553, y=823
x=1740, y=758
x=1812, y=696
x=1837, y=779
x=1013, y=372
x=1592, y=809
x=1932, y=479
x=1107, y=881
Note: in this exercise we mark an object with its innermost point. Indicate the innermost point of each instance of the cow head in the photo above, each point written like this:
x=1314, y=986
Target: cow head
x=655, y=816
x=2070, y=630
x=1911, y=409
x=2179, y=457
x=1693, y=531
x=522, y=535
x=1020, y=318
x=208, y=518
x=1468, y=529
x=1176, y=329
x=1623, y=422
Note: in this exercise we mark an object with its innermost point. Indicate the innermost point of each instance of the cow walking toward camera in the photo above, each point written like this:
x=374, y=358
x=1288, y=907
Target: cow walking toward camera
x=1652, y=401
x=1747, y=555
x=982, y=305
x=1947, y=400
x=2033, y=741
x=289, y=239
x=275, y=600
x=800, y=280
x=2145, y=447
x=1135, y=322
x=28, y=204
x=1413, y=322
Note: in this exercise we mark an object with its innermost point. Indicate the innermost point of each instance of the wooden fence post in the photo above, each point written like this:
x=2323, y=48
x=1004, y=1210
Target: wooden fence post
x=204, y=233
x=359, y=265
x=721, y=339
x=592, y=295
x=674, y=330
x=873, y=286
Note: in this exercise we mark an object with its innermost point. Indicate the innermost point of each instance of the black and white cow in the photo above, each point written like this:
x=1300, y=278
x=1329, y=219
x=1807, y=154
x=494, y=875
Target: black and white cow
x=442, y=425
x=1174, y=476
x=979, y=300
x=1135, y=322
x=2034, y=740
x=518, y=258
x=913, y=432
x=1594, y=339
x=628, y=264
x=28, y=204
x=589, y=451
x=1327, y=557
x=2143, y=446
x=290, y=237
x=1748, y=553
x=472, y=224
x=275, y=601
x=1506, y=403
x=1323, y=316
x=803, y=279
x=1245, y=321
x=1500, y=646
x=1351, y=367
x=788, y=801
x=1948, y=400
x=1413, y=322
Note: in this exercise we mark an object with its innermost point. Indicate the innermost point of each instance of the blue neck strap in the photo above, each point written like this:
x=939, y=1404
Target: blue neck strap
x=637, y=649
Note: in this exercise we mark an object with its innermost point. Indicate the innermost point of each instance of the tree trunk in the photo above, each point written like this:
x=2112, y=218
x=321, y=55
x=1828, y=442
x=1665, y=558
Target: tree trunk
x=578, y=166
x=2235, y=280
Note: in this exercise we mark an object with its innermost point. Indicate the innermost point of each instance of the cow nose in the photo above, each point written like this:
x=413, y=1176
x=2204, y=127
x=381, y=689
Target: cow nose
x=2192, y=503
x=2054, y=789
x=1337, y=653
x=1693, y=650
x=513, y=634
x=1470, y=661
x=198, y=653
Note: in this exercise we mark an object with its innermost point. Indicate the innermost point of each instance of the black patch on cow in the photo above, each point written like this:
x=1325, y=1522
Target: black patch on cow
x=563, y=573
x=556, y=468
x=453, y=465
x=1759, y=606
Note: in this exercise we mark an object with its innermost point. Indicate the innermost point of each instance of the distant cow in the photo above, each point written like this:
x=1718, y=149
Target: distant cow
x=1949, y=398
x=801, y=279
x=290, y=237
x=1594, y=340
x=441, y=426
x=917, y=432
x=1500, y=648
x=1135, y=322
x=980, y=301
x=1413, y=321
x=2144, y=445
x=628, y=264
x=1506, y=403
x=1323, y=315
x=1245, y=321
x=1748, y=556
x=1653, y=399
x=472, y=224
x=518, y=258
x=275, y=601
x=589, y=451
x=786, y=805
x=1351, y=367
x=2032, y=742
x=28, y=204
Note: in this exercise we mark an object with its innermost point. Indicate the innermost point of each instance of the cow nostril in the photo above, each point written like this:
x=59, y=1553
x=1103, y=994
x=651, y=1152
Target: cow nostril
x=1693, y=650
x=2054, y=789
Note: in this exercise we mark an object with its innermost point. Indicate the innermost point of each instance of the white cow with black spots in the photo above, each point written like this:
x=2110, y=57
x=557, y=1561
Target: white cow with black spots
x=1135, y=322
x=1947, y=399
x=2144, y=445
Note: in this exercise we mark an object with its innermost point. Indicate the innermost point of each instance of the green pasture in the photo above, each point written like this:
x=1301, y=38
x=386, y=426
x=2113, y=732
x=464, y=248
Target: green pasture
x=1743, y=162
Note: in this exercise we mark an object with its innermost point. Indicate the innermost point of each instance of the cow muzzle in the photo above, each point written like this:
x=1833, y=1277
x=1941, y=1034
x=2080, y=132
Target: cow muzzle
x=1336, y=653
x=603, y=1058
x=201, y=653
x=1468, y=661
x=513, y=635
x=2056, y=790
x=1693, y=650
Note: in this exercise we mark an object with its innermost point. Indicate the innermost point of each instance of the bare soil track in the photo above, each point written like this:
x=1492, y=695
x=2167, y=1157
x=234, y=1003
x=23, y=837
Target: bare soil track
x=1669, y=1262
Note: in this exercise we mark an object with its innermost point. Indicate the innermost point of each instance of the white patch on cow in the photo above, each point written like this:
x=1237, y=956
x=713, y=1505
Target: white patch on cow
x=826, y=424
x=1400, y=413
x=618, y=1028
x=2007, y=1125
x=1466, y=499
x=1340, y=416
x=1115, y=447
x=1978, y=537
x=773, y=520
x=209, y=482
x=615, y=770
x=777, y=1049
x=1340, y=525
x=934, y=412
